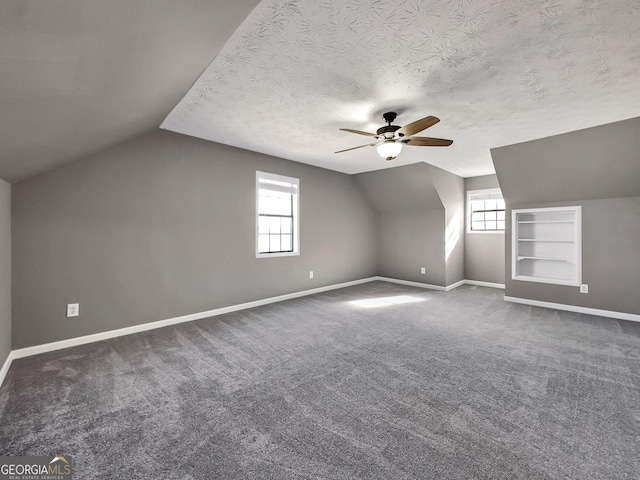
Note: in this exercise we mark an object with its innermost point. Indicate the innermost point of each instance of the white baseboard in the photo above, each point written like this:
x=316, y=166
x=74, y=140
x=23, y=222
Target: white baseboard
x=5, y=367
x=412, y=284
x=96, y=337
x=574, y=308
x=484, y=284
x=440, y=287
x=454, y=285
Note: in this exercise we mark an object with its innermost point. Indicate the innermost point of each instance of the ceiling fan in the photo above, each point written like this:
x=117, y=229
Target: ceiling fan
x=391, y=138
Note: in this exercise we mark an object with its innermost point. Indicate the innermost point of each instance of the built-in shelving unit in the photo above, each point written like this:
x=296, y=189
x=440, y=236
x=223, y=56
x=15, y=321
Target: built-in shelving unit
x=546, y=245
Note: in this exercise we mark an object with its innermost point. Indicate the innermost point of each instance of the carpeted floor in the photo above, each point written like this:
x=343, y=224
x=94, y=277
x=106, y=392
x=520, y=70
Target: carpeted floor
x=459, y=385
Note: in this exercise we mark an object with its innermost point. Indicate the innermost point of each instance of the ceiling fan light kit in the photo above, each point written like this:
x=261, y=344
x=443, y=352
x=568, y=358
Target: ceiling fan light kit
x=393, y=137
x=389, y=149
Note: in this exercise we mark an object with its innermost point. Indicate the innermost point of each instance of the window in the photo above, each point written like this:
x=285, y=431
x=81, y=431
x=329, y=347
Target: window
x=277, y=224
x=485, y=211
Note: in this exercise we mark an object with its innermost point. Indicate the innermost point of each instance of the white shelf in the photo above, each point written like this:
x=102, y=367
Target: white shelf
x=546, y=245
x=544, y=221
x=554, y=259
x=552, y=280
x=544, y=240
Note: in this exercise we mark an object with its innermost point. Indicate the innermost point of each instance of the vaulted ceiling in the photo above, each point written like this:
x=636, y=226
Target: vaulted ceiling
x=77, y=76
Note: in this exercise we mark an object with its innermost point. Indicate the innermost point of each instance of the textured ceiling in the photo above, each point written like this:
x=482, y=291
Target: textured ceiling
x=77, y=76
x=494, y=72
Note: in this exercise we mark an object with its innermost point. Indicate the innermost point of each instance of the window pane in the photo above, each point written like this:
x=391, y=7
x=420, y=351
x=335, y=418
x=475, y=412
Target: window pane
x=500, y=224
x=501, y=204
x=263, y=243
x=477, y=205
x=477, y=226
x=477, y=217
x=491, y=225
x=284, y=205
x=274, y=243
x=286, y=225
x=490, y=216
x=490, y=205
x=286, y=242
x=272, y=204
x=261, y=205
x=265, y=204
x=274, y=224
x=501, y=215
x=277, y=201
x=263, y=225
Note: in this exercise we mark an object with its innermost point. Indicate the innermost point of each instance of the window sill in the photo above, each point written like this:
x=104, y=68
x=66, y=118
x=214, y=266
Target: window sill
x=482, y=232
x=279, y=254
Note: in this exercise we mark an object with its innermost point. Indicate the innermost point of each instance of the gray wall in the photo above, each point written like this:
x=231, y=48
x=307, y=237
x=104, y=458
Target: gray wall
x=484, y=253
x=411, y=223
x=599, y=169
x=163, y=226
x=408, y=240
x=450, y=188
x=5, y=271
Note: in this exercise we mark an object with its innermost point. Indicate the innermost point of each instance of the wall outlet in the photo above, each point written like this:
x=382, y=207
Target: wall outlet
x=73, y=310
x=584, y=288
x=423, y=270
x=311, y=274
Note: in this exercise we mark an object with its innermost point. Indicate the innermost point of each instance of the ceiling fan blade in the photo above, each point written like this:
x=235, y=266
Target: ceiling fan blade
x=417, y=126
x=354, y=148
x=427, y=142
x=359, y=132
x=347, y=149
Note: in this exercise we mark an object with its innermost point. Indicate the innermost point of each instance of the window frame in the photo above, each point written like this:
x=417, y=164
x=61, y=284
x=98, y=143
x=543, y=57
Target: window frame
x=295, y=214
x=484, y=191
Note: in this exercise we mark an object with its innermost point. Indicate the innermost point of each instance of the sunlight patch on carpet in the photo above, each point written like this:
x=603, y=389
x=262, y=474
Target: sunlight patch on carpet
x=386, y=301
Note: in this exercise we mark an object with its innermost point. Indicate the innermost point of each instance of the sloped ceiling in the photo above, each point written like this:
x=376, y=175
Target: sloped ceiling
x=77, y=76
x=495, y=73
x=598, y=162
x=406, y=188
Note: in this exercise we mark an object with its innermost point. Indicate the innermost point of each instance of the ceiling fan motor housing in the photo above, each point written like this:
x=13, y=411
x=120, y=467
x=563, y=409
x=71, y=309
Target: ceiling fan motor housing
x=388, y=131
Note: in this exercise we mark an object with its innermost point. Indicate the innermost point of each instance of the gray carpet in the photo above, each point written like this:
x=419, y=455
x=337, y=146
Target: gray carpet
x=458, y=386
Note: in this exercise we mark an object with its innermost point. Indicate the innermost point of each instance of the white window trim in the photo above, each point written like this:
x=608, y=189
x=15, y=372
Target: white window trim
x=485, y=191
x=296, y=214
